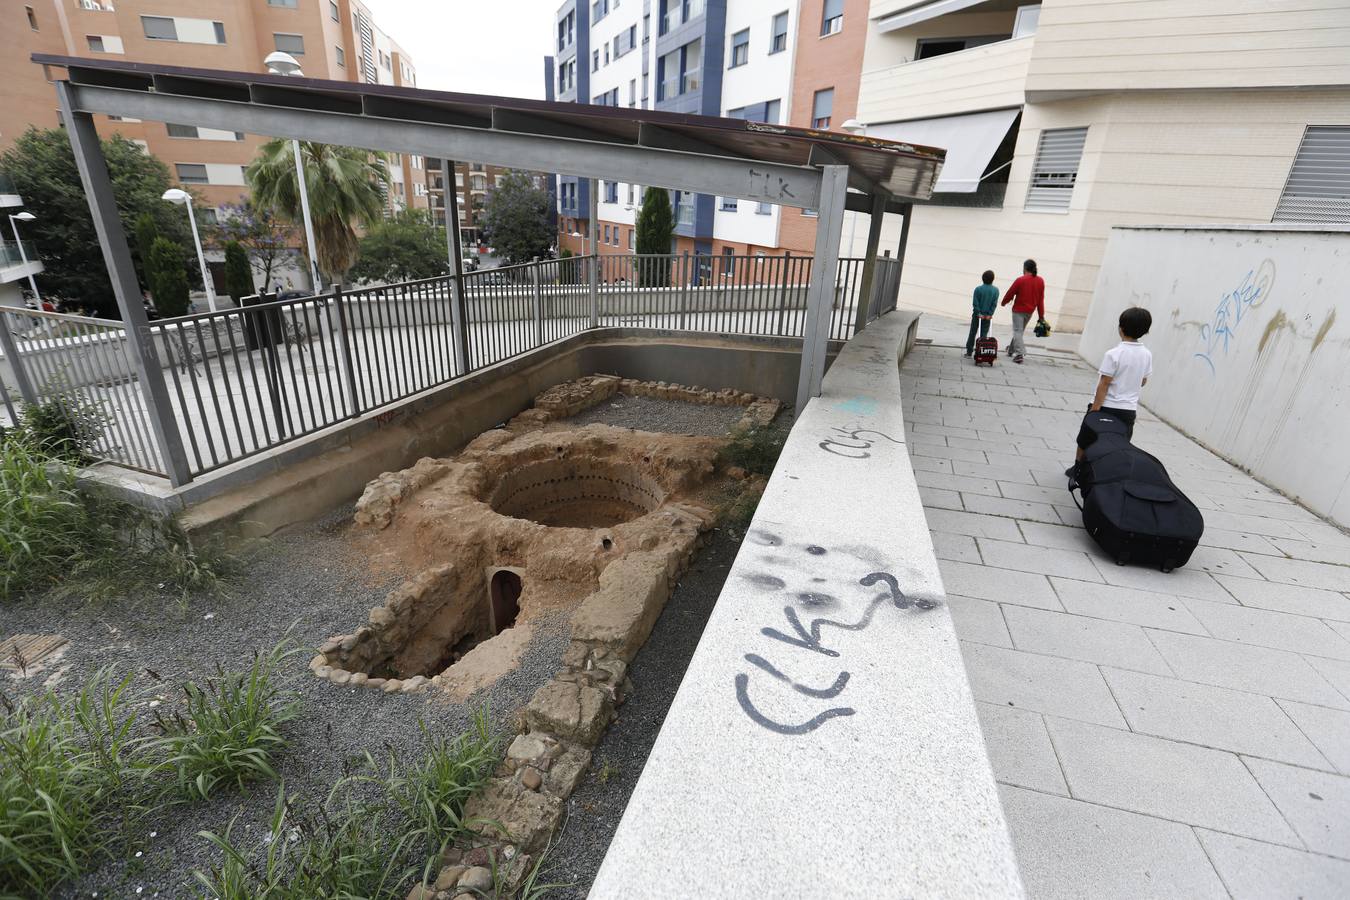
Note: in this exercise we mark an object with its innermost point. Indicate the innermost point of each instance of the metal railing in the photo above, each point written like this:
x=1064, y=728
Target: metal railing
x=242, y=381
x=11, y=254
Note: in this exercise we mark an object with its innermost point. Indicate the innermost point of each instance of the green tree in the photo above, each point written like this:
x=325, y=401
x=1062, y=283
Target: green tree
x=238, y=273
x=346, y=188
x=42, y=167
x=405, y=248
x=517, y=220
x=168, y=278
x=264, y=237
x=655, y=228
x=146, y=232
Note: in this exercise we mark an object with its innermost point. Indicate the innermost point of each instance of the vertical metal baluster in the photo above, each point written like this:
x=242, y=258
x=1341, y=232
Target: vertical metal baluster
x=178, y=388
x=243, y=389
x=229, y=393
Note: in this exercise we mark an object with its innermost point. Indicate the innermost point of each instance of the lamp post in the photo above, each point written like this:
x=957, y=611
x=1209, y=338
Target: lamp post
x=177, y=195
x=853, y=126
x=14, y=221
x=279, y=63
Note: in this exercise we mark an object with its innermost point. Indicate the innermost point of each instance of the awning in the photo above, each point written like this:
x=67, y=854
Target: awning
x=970, y=141
x=922, y=11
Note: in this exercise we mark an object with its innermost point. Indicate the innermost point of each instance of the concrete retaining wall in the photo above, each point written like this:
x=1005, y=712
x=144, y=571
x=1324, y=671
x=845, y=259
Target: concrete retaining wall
x=824, y=741
x=1250, y=336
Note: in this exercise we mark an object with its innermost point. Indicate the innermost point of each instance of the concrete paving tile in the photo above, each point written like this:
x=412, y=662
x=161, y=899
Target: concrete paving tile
x=1012, y=509
x=966, y=484
x=956, y=547
x=1328, y=729
x=1314, y=551
x=992, y=449
x=1323, y=533
x=1342, y=628
x=1274, y=509
x=1301, y=572
x=1182, y=582
x=1317, y=804
x=1044, y=684
x=1335, y=671
x=1041, y=560
x=1251, y=524
x=1055, y=495
x=930, y=464
x=1019, y=748
x=1071, y=850
x=1290, y=598
x=1255, y=870
x=939, y=499
x=942, y=451
x=1000, y=470
x=999, y=585
x=1266, y=628
x=1237, y=540
x=1061, y=537
x=980, y=621
x=1119, y=604
x=972, y=524
x=1167, y=779
x=1220, y=561
x=944, y=430
x=1211, y=716
x=1048, y=457
x=1079, y=637
x=1261, y=670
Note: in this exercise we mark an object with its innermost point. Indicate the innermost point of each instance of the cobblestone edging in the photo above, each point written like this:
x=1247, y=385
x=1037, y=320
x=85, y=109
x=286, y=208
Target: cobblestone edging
x=573, y=397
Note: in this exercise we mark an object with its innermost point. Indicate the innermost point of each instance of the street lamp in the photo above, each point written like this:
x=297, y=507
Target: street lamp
x=279, y=63
x=177, y=195
x=854, y=127
x=14, y=221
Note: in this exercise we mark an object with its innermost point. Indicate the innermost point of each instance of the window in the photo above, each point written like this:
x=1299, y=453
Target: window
x=606, y=53
x=632, y=239
x=1056, y=169
x=293, y=44
x=159, y=28
x=595, y=60
x=646, y=92
x=778, y=33
x=32, y=19
x=927, y=48
x=1028, y=18
x=810, y=213
x=191, y=173
x=419, y=189
x=209, y=215
x=220, y=32
x=181, y=131
x=832, y=17
x=728, y=261
x=740, y=48
x=606, y=234
x=632, y=92
x=611, y=192
x=1318, y=189
x=822, y=106
x=728, y=204
x=289, y=4
x=772, y=110
x=95, y=42
x=763, y=209
x=341, y=56
x=333, y=11
x=630, y=195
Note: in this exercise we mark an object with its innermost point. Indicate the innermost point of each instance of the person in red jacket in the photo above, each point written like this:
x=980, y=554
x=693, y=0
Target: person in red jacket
x=1027, y=295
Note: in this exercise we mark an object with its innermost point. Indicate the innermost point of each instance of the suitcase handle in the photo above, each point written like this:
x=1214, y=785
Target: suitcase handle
x=1073, y=492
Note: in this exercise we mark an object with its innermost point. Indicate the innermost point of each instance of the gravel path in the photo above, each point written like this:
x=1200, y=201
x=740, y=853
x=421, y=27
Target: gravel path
x=655, y=414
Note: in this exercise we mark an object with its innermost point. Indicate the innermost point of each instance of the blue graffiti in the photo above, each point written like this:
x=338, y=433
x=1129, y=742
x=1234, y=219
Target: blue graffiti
x=1232, y=308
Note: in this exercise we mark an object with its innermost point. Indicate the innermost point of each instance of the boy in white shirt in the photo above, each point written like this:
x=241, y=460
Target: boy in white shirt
x=1124, y=371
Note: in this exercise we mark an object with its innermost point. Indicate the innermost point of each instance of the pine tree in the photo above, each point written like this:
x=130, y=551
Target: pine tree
x=655, y=228
x=168, y=278
x=238, y=273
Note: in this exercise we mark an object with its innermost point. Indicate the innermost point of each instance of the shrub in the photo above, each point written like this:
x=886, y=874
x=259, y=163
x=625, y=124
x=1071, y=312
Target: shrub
x=67, y=784
x=756, y=450
x=168, y=278
x=42, y=517
x=64, y=427
x=655, y=228
x=232, y=727
x=238, y=273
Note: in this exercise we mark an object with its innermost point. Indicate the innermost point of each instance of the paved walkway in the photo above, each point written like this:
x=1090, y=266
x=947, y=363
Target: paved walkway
x=1182, y=735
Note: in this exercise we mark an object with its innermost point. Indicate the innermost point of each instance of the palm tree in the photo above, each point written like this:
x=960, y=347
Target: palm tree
x=346, y=187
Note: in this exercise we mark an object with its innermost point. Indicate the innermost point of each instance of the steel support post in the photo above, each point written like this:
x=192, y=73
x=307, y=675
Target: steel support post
x=538, y=303
x=16, y=364
x=98, y=191
x=348, y=367
x=820, y=292
x=868, y=285
x=900, y=252
x=459, y=329
x=593, y=249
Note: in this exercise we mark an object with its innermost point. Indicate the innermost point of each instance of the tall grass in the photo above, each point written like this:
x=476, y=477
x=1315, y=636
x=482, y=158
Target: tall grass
x=232, y=727
x=69, y=783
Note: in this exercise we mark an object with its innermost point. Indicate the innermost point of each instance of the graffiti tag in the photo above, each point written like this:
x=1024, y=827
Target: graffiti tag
x=1216, y=336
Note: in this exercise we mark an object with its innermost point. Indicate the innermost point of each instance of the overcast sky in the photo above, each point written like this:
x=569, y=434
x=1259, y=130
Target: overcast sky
x=473, y=46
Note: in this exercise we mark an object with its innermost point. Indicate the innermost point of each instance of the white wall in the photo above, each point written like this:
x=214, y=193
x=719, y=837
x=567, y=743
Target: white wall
x=1249, y=347
x=617, y=74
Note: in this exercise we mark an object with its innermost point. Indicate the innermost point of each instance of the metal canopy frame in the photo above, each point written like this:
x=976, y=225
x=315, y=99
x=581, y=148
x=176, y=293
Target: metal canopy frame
x=793, y=167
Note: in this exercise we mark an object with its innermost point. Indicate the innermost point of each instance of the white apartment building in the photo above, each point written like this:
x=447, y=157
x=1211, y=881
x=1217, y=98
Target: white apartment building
x=1067, y=117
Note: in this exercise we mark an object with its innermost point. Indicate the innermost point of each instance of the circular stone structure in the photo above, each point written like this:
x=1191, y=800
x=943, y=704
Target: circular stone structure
x=576, y=493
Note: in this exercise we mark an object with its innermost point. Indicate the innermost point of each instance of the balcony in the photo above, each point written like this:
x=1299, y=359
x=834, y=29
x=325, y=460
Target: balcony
x=9, y=194
x=683, y=12
x=992, y=76
x=12, y=263
x=674, y=87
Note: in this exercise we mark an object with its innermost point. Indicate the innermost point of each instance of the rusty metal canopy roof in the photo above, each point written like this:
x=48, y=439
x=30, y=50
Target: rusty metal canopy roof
x=904, y=171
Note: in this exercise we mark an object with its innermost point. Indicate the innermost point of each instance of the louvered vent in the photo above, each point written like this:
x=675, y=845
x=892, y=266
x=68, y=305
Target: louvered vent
x=1056, y=169
x=1318, y=189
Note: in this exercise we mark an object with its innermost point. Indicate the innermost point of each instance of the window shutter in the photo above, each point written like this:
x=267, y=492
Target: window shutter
x=1056, y=168
x=1318, y=189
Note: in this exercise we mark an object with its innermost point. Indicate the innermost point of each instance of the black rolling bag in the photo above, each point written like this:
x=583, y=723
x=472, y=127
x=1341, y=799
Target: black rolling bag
x=1130, y=506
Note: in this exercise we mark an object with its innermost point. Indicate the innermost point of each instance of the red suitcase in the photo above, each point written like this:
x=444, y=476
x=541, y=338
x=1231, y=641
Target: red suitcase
x=986, y=350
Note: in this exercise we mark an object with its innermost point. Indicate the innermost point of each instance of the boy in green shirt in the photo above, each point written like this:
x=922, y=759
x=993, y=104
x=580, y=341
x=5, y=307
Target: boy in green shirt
x=983, y=305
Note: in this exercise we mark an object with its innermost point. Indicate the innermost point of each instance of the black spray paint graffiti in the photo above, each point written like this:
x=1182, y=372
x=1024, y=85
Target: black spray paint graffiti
x=809, y=637
x=854, y=443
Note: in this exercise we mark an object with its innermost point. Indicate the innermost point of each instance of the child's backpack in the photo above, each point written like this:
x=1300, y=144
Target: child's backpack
x=986, y=351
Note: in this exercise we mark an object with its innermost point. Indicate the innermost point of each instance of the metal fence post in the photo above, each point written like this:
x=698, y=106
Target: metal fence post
x=98, y=190
x=538, y=303
x=348, y=368
x=459, y=330
x=783, y=291
x=862, y=314
x=21, y=379
x=684, y=290
x=593, y=248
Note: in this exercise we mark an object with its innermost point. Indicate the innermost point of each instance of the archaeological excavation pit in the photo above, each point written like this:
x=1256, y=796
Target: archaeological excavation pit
x=530, y=523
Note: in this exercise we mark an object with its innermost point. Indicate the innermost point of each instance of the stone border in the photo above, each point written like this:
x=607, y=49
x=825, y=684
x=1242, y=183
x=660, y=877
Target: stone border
x=563, y=401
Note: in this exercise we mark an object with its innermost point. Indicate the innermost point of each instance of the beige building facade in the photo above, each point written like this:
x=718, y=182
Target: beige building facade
x=1067, y=117
x=332, y=39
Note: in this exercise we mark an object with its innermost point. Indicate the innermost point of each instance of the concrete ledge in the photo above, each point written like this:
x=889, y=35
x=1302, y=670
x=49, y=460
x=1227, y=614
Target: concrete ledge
x=824, y=741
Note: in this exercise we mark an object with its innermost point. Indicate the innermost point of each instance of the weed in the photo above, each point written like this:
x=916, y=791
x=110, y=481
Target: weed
x=607, y=771
x=68, y=784
x=63, y=426
x=232, y=727
x=756, y=450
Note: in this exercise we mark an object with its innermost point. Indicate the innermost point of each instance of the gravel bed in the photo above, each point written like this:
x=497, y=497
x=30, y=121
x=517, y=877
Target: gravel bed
x=656, y=414
x=309, y=581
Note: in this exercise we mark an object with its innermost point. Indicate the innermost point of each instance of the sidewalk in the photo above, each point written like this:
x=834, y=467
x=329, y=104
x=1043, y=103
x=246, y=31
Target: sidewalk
x=1181, y=735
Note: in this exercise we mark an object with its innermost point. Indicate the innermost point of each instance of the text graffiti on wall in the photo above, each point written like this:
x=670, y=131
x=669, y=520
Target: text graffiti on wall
x=1232, y=309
